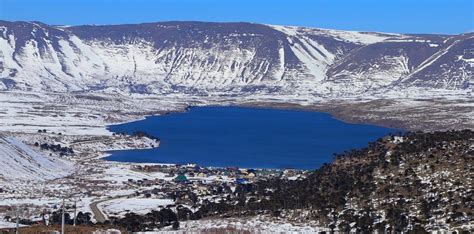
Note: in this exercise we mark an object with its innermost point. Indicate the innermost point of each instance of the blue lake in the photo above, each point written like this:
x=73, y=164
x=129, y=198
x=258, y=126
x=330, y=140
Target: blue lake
x=247, y=138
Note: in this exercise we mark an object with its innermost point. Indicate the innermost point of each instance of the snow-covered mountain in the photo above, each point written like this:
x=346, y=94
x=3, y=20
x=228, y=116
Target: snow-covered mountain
x=19, y=162
x=202, y=58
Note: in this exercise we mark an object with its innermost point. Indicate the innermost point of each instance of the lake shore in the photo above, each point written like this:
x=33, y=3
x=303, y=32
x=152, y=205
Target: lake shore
x=227, y=136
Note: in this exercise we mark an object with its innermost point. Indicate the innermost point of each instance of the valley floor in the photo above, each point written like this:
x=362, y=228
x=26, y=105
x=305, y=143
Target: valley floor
x=103, y=188
x=90, y=113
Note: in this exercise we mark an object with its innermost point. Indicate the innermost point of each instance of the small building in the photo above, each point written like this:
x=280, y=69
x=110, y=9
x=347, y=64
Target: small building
x=244, y=171
x=289, y=173
x=250, y=175
x=181, y=179
x=201, y=190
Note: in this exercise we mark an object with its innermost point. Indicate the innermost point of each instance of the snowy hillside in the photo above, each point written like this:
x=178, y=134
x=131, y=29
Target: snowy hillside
x=20, y=162
x=205, y=58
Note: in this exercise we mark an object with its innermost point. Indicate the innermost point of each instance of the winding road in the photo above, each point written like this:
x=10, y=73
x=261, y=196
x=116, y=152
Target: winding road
x=98, y=215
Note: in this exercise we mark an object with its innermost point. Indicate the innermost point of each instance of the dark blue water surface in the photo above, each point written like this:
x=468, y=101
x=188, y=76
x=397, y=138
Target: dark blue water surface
x=247, y=137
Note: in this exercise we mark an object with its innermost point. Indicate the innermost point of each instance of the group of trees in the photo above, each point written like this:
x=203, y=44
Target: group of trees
x=145, y=134
x=81, y=218
x=62, y=150
x=151, y=221
x=331, y=189
x=138, y=134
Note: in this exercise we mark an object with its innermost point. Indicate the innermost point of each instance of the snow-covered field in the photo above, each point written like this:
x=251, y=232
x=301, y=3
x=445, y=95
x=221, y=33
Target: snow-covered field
x=261, y=224
x=121, y=206
x=89, y=114
x=77, y=114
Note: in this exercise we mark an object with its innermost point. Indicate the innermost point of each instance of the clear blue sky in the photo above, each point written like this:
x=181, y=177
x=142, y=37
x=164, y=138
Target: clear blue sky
x=409, y=16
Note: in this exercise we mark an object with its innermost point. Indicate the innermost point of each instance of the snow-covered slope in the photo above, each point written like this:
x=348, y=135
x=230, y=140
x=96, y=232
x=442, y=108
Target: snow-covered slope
x=20, y=162
x=426, y=61
x=204, y=58
x=451, y=66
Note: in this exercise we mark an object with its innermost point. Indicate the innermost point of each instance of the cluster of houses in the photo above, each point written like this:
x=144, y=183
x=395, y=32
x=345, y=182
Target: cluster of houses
x=189, y=172
x=187, y=184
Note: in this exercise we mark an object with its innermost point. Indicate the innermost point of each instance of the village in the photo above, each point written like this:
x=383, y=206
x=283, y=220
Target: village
x=100, y=190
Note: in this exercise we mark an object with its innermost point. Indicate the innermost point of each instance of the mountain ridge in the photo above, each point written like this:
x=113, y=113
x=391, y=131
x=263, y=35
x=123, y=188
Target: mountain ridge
x=202, y=58
x=235, y=22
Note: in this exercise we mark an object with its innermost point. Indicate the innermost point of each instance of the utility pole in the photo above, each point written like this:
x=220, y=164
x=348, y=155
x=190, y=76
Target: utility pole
x=17, y=221
x=62, y=218
x=75, y=203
